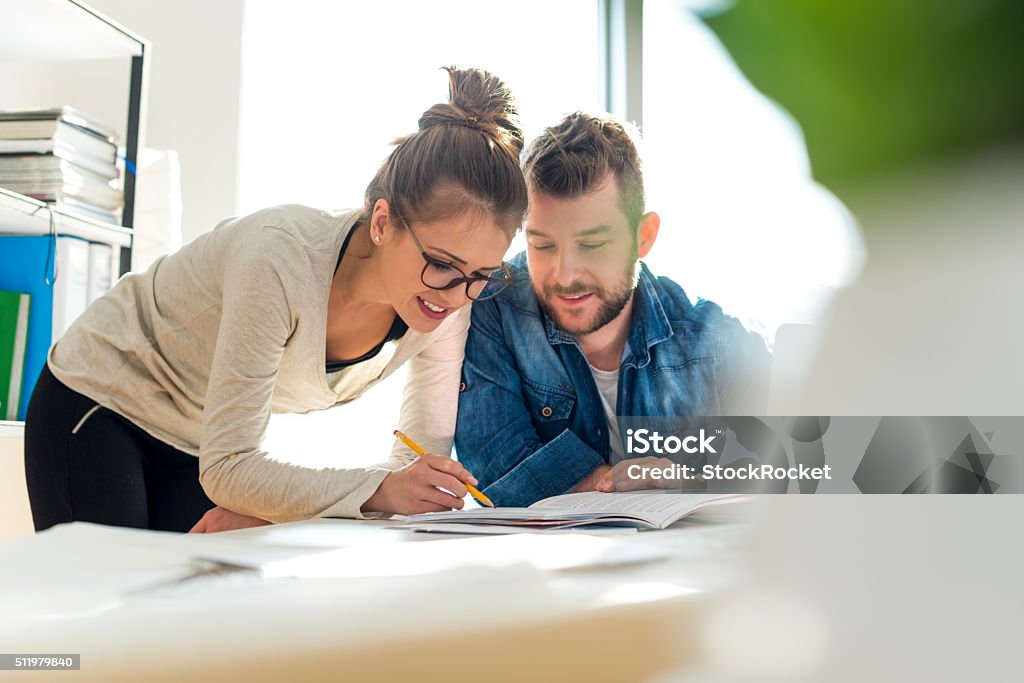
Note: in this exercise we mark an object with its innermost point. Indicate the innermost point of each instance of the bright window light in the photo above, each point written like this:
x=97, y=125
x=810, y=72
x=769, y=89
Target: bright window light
x=326, y=87
x=743, y=221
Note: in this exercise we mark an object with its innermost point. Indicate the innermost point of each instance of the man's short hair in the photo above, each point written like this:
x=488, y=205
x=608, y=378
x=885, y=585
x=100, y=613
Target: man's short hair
x=575, y=157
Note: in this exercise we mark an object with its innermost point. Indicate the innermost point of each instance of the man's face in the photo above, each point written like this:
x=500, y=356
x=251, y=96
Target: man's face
x=582, y=255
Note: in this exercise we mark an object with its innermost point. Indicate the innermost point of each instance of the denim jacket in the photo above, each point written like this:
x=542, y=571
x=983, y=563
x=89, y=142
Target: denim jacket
x=531, y=423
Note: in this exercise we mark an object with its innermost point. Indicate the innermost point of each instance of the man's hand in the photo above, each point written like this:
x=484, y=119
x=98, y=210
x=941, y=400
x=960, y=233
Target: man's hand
x=221, y=519
x=430, y=483
x=618, y=479
x=589, y=482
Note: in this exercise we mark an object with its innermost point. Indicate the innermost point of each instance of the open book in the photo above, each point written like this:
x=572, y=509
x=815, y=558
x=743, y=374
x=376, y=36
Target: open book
x=650, y=510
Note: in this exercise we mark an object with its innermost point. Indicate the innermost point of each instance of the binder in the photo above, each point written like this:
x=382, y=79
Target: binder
x=27, y=265
x=14, y=311
x=71, y=288
x=101, y=270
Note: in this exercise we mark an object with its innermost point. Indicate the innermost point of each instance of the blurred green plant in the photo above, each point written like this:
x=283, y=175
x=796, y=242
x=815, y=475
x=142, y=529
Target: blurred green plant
x=879, y=84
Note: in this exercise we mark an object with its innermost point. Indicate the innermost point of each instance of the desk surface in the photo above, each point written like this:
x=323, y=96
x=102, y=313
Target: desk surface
x=446, y=606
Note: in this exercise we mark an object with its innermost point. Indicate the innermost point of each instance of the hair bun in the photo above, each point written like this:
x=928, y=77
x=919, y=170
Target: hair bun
x=479, y=100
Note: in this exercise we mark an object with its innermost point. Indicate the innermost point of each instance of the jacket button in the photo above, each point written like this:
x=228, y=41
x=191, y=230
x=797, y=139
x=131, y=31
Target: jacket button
x=546, y=411
x=462, y=387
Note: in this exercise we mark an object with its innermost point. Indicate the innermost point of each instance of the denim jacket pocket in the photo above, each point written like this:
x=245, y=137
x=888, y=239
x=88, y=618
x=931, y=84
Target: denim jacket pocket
x=550, y=407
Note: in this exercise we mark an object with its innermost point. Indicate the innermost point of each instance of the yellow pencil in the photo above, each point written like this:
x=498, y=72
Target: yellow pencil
x=419, y=451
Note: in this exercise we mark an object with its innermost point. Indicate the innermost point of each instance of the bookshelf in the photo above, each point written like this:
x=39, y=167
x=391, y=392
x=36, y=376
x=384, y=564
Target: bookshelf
x=57, y=53
x=49, y=37
x=20, y=215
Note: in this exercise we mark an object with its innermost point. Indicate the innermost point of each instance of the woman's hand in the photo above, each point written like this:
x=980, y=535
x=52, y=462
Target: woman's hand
x=221, y=519
x=417, y=487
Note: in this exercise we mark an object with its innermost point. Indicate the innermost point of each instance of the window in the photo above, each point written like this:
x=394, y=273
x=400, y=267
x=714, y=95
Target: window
x=743, y=221
x=326, y=87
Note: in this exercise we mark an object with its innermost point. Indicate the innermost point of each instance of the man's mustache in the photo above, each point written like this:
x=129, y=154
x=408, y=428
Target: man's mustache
x=571, y=290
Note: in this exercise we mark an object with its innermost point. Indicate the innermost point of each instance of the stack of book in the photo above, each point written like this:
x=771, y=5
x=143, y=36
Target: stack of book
x=63, y=157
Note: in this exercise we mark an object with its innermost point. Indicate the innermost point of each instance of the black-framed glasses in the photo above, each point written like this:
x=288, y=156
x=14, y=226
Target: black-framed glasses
x=437, y=274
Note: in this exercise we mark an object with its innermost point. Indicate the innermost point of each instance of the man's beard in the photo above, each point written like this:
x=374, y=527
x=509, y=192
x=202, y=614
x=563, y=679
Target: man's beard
x=612, y=302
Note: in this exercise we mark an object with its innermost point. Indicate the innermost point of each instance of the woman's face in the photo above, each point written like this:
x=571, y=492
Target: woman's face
x=472, y=242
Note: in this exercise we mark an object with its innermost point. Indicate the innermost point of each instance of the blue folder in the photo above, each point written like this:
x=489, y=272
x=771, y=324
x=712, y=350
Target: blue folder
x=27, y=265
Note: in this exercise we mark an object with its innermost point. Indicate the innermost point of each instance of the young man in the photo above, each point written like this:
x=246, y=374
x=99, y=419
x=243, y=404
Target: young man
x=586, y=333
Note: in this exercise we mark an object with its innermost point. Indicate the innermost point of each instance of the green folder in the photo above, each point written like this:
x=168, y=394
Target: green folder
x=13, y=341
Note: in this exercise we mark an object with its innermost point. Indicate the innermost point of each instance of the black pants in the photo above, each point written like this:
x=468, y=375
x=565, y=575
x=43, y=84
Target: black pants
x=86, y=463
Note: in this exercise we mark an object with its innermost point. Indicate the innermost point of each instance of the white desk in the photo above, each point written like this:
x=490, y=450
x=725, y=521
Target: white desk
x=832, y=588
x=75, y=589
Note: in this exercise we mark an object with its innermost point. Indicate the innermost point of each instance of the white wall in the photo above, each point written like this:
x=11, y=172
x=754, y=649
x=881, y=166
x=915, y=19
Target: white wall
x=15, y=515
x=193, y=103
x=933, y=325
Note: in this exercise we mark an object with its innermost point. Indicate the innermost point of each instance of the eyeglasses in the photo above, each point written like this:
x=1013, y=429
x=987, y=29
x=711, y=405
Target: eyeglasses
x=439, y=274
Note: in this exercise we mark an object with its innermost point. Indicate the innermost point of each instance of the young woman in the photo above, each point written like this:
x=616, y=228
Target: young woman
x=154, y=404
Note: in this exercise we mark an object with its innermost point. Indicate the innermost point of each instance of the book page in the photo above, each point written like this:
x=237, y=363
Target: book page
x=498, y=515
x=660, y=509
x=653, y=509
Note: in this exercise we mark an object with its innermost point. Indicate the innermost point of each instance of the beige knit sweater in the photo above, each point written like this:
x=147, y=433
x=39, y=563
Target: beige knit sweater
x=202, y=347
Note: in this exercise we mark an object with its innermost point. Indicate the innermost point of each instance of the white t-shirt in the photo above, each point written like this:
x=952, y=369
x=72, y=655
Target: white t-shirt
x=608, y=388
